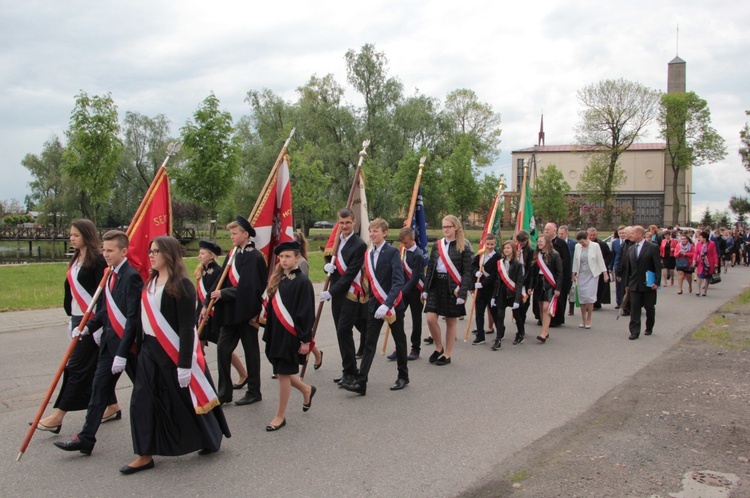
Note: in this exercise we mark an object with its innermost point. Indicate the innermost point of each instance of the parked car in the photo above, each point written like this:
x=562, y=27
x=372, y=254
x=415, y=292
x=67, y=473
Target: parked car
x=322, y=224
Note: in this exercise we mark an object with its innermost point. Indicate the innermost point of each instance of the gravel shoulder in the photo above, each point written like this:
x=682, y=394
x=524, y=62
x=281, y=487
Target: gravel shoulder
x=682, y=417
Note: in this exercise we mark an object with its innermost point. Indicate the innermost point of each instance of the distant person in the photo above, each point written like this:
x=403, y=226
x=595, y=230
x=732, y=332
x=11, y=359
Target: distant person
x=563, y=234
x=612, y=267
x=706, y=261
x=684, y=254
x=508, y=293
x=484, y=268
x=85, y=271
x=643, y=277
x=603, y=294
x=547, y=282
x=413, y=287
x=588, y=267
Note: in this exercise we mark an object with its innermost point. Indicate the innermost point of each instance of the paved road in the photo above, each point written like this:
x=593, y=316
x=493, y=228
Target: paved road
x=438, y=437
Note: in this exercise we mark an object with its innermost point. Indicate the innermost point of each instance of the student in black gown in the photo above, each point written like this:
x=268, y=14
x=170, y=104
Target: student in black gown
x=174, y=409
x=85, y=271
x=288, y=336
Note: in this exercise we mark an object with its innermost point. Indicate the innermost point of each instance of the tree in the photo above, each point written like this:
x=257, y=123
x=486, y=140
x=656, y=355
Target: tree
x=615, y=114
x=477, y=120
x=708, y=218
x=549, y=194
x=93, y=150
x=47, y=184
x=740, y=206
x=685, y=123
x=212, y=157
x=310, y=188
x=146, y=141
x=597, y=178
x=745, y=148
x=459, y=175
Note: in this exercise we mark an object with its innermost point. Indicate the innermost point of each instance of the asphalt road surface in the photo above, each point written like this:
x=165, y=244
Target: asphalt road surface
x=438, y=437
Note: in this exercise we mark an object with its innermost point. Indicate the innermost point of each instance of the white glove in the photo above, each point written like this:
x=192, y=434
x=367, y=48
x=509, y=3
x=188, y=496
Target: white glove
x=325, y=296
x=183, y=376
x=493, y=303
x=381, y=312
x=118, y=365
x=478, y=285
x=516, y=306
x=478, y=274
x=96, y=335
x=424, y=296
x=75, y=332
x=460, y=301
x=329, y=268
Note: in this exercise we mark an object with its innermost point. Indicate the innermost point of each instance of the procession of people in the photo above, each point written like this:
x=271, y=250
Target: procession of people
x=150, y=329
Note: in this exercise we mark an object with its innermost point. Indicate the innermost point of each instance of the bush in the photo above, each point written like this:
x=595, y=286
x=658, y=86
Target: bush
x=12, y=220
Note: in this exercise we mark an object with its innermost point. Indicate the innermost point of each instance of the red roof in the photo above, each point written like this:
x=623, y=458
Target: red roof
x=585, y=148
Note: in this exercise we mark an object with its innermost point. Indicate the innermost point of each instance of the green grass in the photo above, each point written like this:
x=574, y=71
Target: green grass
x=32, y=286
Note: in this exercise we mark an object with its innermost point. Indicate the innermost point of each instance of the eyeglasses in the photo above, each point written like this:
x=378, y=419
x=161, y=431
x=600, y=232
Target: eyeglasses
x=153, y=252
x=445, y=227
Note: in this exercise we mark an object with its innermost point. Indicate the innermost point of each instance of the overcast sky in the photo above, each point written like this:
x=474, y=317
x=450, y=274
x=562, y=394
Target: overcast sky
x=165, y=57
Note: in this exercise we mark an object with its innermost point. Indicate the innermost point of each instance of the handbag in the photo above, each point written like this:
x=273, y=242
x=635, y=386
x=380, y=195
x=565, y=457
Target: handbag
x=683, y=264
x=715, y=278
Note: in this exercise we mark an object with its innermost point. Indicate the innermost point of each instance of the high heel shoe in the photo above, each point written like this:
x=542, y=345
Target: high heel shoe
x=542, y=339
x=318, y=365
x=308, y=405
x=54, y=429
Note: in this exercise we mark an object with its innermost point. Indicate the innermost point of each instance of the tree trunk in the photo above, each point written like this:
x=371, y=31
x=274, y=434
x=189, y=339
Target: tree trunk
x=675, y=196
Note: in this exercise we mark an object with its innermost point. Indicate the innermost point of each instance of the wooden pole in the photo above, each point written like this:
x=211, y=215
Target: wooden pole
x=480, y=253
x=336, y=242
x=225, y=273
x=171, y=150
x=407, y=223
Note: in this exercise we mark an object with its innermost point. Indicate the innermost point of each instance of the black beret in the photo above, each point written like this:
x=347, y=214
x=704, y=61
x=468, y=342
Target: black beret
x=287, y=246
x=246, y=226
x=210, y=246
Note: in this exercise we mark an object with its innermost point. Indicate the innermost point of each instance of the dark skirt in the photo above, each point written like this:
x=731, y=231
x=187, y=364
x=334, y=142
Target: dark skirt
x=441, y=300
x=162, y=416
x=669, y=263
x=78, y=375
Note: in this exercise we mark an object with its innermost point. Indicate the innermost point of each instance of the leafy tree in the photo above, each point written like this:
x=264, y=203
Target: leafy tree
x=459, y=175
x=615, y=113
x=212, y=157
x=708, y=218
x=146, y=141
x=685, y=123
x=549, y=193
x=722, y=218
x=597, y=177
x=745, y=148
x=310, y=186
x=47, y=184
x=93, y=150
x=740, y=206
x=476, y=120
x=487, y=190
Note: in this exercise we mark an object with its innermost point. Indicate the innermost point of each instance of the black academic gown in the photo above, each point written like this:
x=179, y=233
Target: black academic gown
x=210, y=277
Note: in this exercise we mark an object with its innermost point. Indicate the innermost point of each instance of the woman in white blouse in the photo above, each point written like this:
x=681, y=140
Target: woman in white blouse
x=588, y=264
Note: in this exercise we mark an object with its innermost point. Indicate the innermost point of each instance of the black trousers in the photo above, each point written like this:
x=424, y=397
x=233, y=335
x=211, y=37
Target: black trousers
x=638, y=300
x=483, y=299
x=346, y=315
x=498, y=313
x=103, y=393
x=229, y=336
x=413, y=302
x=371, y=345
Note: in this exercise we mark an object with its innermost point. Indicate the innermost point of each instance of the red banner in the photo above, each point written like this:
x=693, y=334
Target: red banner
x=154, y=220
x=273, y=221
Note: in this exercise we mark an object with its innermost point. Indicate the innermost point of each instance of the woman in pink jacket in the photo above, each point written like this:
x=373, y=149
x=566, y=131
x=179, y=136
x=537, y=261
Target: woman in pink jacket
x=706, y=259
x=684, y=254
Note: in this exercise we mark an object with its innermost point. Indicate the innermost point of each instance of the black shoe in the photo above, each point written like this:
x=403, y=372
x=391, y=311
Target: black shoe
x=54, y=429
x=308, y=405
x=496, y=345
x=206, y=451
x=542, y=339
x=489, y=331
x=359, y=355
x=633, y=337
x=400, y=384
x=435, y=355
x=429, y=340
x=318, y=365
x=273, y=428
x=517, y=341
x=344, y=379
x=474, y=331
x=115, y=416
x=443, y=361
x=74, y=444
x=618, y=306
x=538, y=322
x=648, y=332
x=357, y=386
x=248, y=399
x=570, y=313
x=625, y=313
x=477, y=341
x=241, y=385
x=391, y=356
x=127, y=470
x=413, y=355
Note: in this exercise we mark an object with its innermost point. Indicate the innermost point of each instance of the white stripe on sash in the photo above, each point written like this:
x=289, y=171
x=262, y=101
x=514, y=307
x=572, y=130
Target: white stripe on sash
x=452, y=270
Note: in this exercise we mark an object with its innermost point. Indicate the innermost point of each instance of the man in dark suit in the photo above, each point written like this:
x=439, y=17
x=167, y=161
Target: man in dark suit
x=119, y=320
x=562, y=233
x=346, y=293
x=643, y=257
x=561, y=247
x=413, y=262
x=386, y=276
x=238, y=306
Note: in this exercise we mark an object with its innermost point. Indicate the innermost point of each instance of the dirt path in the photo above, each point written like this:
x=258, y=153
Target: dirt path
x=686, y=416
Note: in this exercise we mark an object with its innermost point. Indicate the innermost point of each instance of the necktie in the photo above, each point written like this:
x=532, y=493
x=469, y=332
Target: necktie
x=112, y=281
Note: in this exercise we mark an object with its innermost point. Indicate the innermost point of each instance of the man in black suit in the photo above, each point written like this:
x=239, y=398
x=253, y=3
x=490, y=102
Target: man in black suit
x=119, y=320
x=386, y=276
x=238, y=306
x=561, y=247
x=643, y=257
x=562, y=233
x=346, y=293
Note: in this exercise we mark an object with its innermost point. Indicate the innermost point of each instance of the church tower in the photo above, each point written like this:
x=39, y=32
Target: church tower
x=676, y=83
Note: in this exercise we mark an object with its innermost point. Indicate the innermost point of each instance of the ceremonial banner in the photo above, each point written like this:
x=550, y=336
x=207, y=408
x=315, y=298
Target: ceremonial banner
x=492, y=224
x=525, y=219
x=273, y=220
x=419, y=225
x=154, y=220
x=362, y=219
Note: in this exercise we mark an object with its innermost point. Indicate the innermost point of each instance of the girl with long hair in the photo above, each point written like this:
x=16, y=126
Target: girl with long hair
x=508, y=293
x=546, y=281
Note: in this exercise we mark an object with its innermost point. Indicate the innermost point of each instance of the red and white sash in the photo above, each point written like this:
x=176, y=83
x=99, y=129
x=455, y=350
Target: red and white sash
x=81, y=295
x=202, y=394
x=445, y=258
x=356, y=287
x=116, y=318
x=409, y=273
x=504, y=276
x=544, y=269
x=202, y=293
x=284, y=317
x=234, y=275
x=378, y=291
